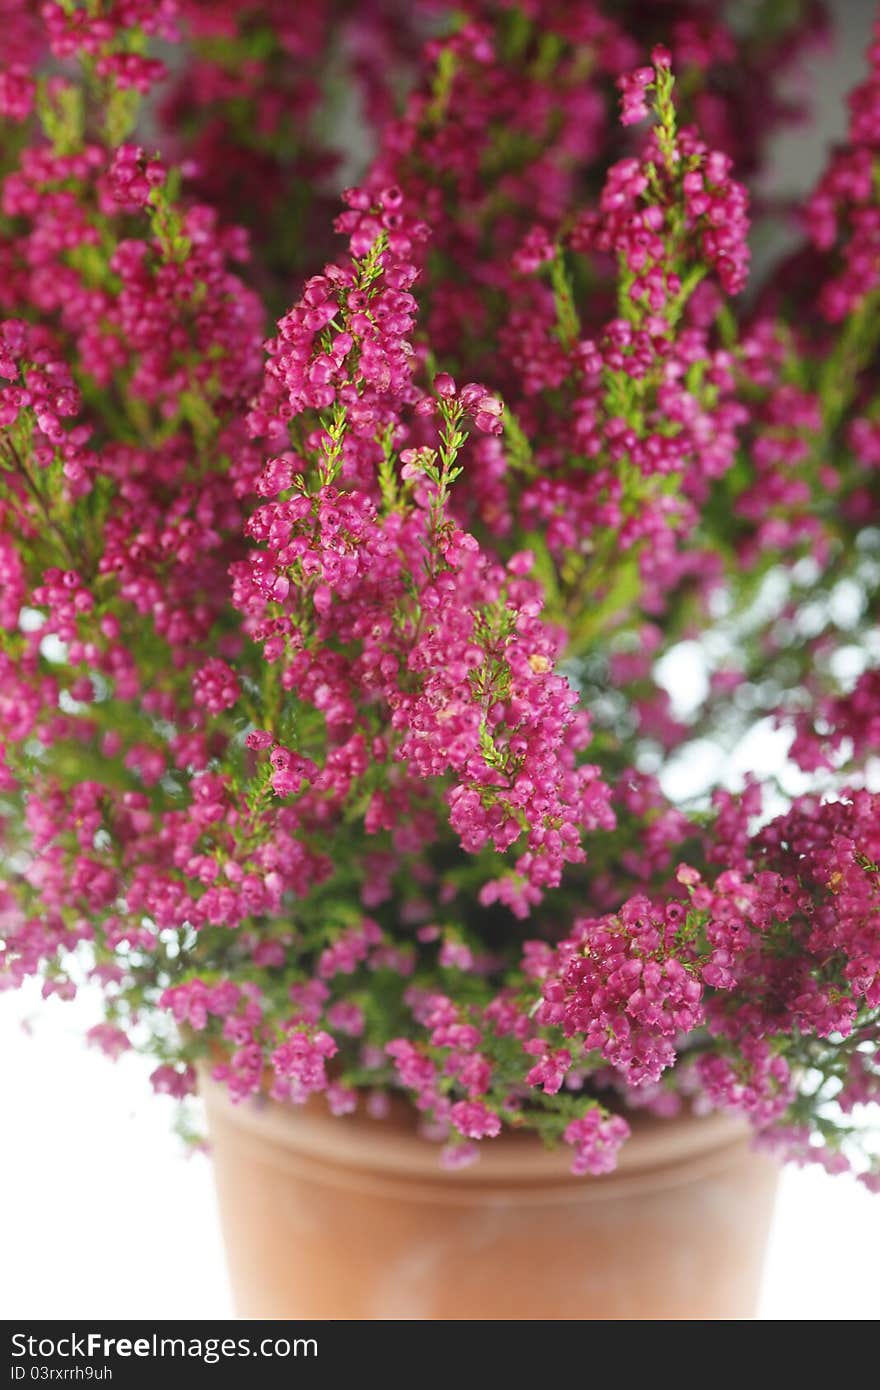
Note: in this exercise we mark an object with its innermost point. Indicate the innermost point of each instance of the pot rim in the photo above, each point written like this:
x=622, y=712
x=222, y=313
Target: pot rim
x=374, y=1155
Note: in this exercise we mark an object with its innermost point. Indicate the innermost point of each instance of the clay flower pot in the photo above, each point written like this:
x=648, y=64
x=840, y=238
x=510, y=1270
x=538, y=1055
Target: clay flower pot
x=352, y=1217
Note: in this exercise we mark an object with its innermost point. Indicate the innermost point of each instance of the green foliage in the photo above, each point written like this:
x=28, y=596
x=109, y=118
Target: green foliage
x=166, y=220
x=62, y=111
x=567, y=320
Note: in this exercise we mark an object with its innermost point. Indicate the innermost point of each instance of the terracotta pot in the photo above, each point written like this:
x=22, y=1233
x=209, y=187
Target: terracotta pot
x=354, y=1218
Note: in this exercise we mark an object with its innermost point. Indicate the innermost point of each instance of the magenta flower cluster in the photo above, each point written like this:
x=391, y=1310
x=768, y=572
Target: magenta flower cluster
x=347, y=646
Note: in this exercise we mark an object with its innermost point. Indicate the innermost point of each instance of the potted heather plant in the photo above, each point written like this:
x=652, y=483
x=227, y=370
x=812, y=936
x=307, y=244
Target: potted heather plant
x=338, y=671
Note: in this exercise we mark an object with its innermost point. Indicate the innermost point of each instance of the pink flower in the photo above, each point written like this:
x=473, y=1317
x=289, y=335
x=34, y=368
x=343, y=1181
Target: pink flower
x=216, y=686
x=596, y=1138
x=475, y=1120
x=327, y=659
x=300, y=1062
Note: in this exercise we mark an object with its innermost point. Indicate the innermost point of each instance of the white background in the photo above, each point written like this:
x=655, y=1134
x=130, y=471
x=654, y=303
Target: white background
x=104, y=1215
